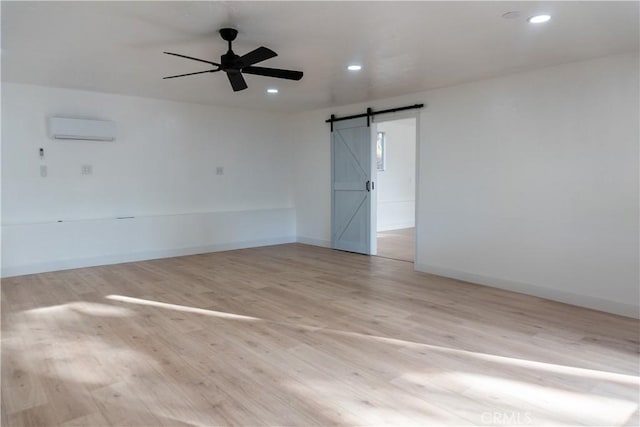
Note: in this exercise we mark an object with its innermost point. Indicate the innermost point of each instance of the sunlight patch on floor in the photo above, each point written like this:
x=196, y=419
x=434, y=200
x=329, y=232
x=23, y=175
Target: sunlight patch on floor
x=491, y=390
x=521, y=363
x=182, y=308
x=96, y=360
x=511, y=361
x=83, y=307
x=553, y=402
x=388, y=408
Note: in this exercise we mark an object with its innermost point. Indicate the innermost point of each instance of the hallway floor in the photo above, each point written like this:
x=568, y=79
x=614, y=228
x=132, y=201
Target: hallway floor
x=397, y=244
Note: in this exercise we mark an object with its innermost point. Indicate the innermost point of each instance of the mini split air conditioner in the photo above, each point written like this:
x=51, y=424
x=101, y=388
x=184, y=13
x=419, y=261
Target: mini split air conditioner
x=81, y=129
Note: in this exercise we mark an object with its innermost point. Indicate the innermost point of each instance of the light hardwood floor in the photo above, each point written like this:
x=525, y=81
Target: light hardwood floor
x=397, y=244
x=299, y=335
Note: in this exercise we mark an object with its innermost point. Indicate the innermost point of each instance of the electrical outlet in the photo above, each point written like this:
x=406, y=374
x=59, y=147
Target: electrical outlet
x=43, y=171
x=87, y=169
x=219, y=170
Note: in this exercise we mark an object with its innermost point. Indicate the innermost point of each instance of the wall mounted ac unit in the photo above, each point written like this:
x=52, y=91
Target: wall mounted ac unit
x=81, y=129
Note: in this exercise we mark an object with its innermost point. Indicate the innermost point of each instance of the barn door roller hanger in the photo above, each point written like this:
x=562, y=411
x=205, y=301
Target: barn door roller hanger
x=370, y=113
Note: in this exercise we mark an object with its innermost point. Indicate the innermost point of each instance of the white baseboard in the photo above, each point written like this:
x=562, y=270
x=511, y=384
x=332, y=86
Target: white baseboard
x=397, y=226
x=314, y=242
x=138, y=256
x=596, y=303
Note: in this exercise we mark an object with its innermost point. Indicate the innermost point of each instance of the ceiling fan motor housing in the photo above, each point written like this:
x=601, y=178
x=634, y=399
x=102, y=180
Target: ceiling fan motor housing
x=230, y=62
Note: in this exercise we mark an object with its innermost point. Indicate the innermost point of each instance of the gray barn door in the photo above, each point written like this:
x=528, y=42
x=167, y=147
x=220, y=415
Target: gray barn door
x=351, y=185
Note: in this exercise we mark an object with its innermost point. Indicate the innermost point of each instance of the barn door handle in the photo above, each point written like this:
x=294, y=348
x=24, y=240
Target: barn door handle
x=368, y=185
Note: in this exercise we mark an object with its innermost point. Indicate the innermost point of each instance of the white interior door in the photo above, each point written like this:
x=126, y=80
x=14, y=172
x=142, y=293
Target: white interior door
x=351, y=171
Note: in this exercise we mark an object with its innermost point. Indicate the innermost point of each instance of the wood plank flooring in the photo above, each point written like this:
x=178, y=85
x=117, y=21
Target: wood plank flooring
x=299, y=335
x=397, y=244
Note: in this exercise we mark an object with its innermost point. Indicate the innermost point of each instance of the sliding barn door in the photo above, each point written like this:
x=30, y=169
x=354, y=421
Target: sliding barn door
x=351, y=185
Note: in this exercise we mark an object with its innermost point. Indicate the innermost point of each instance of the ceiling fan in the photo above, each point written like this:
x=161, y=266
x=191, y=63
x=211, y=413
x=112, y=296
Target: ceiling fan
x=235, y=65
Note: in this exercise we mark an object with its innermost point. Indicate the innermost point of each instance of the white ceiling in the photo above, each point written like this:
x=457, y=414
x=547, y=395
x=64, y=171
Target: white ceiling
x=404, y=47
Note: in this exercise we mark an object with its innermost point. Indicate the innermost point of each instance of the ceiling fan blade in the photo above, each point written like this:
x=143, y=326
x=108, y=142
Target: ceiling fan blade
x=237, y=81
x=257, y=55
x=273, y=72
x=195, y=59
x=191, y=74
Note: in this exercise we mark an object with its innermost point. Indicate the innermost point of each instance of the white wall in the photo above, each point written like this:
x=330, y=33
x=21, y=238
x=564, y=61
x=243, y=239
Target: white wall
x=396, y=184
x=527, y=182
x=161, y=169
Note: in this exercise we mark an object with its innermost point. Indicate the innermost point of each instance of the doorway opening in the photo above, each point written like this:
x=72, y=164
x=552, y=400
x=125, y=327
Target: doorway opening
x=395, y=201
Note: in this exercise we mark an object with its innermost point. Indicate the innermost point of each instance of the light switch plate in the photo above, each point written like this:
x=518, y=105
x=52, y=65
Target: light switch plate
x=219, y=170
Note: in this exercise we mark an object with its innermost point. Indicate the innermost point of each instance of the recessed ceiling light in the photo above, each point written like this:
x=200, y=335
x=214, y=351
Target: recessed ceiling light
x=354, y=67
x=272, y=90
x=539, y=19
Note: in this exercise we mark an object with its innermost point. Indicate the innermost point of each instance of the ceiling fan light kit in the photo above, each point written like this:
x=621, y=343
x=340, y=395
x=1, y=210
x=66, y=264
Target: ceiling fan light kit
x=235, y=66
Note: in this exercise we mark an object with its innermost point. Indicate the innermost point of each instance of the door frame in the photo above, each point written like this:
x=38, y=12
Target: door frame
x=389, y=117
